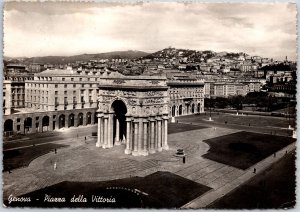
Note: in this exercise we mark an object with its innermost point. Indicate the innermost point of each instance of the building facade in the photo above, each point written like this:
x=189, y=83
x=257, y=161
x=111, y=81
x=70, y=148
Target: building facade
x=14, y=92
x=186, y=96
x=54, y=90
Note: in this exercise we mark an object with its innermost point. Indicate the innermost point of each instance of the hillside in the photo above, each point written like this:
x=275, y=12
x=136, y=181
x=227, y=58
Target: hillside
x=192, y=55
x=83, y=57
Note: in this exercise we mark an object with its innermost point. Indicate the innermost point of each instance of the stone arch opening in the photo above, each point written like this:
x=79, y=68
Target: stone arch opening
x=173, y=110
x=71, y=121
x=27, y=124
x=45, y=123
x=180, y=110
x=119, y=121
x=80, y=119
x=89, y=118
x=193, y=108
x=8, y=127
x=198, y=108
x=95, y=118
x=61, y=121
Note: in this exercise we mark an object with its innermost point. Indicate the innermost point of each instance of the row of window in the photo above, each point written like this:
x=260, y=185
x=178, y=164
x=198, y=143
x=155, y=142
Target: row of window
x=68, y=79
x=56, y=85
x=74, y=92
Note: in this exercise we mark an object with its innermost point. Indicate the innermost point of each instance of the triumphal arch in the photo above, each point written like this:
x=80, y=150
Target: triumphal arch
x=133, y=110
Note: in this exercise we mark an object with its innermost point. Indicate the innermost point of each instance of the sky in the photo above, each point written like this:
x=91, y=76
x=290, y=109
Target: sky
x=65, y=29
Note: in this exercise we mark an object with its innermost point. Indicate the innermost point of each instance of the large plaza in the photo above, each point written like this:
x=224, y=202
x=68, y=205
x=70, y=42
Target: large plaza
x=219, y=158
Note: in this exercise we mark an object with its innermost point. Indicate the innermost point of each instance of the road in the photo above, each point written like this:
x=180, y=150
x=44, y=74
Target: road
x=49, y=137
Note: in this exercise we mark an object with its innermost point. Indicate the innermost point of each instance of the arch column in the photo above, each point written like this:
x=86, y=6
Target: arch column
x=105, y=131
x=117, y=137
x=98, y=144
x=159, y=144
x=152, y=136
x=56, y=122
x=50, y=122
x=75, y=120
x=135, y=139
x=41, y=125
x=165, y=132
x=110, y=130
x=33, y=127
x=145, y=137
x=128, y=135
x=140, y=136
x=14, y=127
x=84, y=117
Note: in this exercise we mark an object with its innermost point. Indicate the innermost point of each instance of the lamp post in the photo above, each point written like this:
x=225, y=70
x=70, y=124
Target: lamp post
x=210, y=109
x=289, y=116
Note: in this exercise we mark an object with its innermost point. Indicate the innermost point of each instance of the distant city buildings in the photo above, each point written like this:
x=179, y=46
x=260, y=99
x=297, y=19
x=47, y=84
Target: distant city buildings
x=70, y=91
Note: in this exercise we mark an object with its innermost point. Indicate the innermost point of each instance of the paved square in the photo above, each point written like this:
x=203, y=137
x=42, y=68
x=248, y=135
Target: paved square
x=83, y=162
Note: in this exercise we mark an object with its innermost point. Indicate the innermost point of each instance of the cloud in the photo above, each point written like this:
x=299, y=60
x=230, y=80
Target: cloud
x=38, y=29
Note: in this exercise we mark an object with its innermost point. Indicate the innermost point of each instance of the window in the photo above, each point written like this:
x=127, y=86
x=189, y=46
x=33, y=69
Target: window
x=91, y=85
x=74, y=85
x=82, y=85
x=74, y=92
x=90, y=91
x=63, y=79
x=56, y=86
x=65, y=92
x=82, y=91
x=65, y=86
x=88, y=79
x=72, y=79
x=56, y=92
x=18, y=120
x=80, y=79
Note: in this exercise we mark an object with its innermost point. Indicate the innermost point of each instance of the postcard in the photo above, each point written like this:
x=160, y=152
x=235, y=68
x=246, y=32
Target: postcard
x=151, y=105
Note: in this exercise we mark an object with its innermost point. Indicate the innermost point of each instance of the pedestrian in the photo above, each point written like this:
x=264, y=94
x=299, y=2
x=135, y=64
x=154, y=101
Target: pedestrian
x=55, y=166
x=84, y=139
x=55, y=150
x=254, y=170
x=183, y=159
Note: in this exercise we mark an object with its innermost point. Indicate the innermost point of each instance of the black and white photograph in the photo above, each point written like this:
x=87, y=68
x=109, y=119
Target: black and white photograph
x=149, y=105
